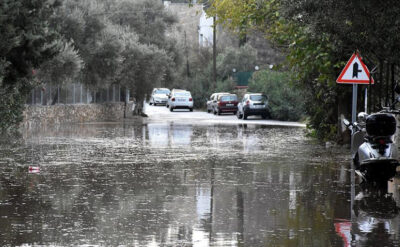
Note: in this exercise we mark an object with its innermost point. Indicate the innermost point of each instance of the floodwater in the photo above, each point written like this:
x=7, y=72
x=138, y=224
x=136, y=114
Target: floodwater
x=181, y=184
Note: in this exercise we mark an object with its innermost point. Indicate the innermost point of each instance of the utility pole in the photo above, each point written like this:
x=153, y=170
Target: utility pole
x=187, y=58
x=215, y=51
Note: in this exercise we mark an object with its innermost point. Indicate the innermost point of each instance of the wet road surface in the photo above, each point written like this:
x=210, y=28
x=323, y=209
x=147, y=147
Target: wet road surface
x=182, y=181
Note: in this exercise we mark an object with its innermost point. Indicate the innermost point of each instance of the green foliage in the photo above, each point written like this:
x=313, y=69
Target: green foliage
x=286, y=101
x=242, y=59
x=11, y=106
x=26, y=42
x=64, y=67
x=122, y=42
x=200, y=82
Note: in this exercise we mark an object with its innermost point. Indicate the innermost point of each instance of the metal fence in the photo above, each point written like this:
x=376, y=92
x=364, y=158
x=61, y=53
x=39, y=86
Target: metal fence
x=76, y=93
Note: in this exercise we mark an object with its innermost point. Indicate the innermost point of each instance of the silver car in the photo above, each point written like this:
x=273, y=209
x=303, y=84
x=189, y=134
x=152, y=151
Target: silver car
x=180, y=99
x=253, y=104
x=159, y=96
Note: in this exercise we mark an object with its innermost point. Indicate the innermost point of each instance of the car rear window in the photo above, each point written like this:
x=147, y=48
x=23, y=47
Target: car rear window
x=258, y=97
x=229, y=98
x=183, y=94
x=161, y=92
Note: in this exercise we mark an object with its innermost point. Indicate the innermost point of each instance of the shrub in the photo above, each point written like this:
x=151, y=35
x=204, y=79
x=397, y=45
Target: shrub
x=285, y=100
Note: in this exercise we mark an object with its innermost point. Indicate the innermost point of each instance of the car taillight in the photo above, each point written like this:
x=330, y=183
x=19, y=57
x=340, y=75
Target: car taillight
x=173, y=99
x=248, y=102
x=190, y=99
x=382, y=141
x=220, y=103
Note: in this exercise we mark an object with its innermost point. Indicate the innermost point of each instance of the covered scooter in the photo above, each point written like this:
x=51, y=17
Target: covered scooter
x=374, y=150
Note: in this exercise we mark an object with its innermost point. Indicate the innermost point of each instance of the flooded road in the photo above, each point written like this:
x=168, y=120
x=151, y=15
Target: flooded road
x=179, y=183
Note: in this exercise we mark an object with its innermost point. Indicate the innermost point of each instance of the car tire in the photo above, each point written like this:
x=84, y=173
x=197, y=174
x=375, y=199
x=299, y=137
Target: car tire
x=150, y=103
x=215, y=112
x=171, y=109
x=234, y=113
x=238, y=115
x=244, y=115
x=190, y=109
x=208, y=111
x=218, y=112
x=264, y=116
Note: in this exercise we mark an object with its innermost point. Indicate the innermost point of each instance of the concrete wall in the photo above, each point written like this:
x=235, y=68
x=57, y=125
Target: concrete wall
x=37, y=115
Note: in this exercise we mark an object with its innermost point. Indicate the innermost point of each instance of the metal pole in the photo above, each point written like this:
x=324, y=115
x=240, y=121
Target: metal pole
x=366, y=101
x=50, y=99
x=127, y=95
x=81, y=101
x=119, y=93
x=108, y=92
x=74, y=92
x=113, y=91
x=58, y=94
x=352, y=174
x=354, y=104
x=214, y=51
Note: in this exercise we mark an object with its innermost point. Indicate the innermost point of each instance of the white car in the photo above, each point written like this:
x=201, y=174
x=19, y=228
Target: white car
x=159, y=96
x=180, y=99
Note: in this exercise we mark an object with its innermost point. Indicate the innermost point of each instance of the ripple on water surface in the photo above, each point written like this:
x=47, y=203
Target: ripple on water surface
x=168, y=184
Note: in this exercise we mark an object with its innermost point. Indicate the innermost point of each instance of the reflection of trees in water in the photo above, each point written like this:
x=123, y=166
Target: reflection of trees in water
x=100, y=202
x=120, y=191
x=21, y=207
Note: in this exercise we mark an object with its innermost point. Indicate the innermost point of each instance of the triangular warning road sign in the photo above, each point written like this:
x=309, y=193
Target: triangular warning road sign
x=355, y=72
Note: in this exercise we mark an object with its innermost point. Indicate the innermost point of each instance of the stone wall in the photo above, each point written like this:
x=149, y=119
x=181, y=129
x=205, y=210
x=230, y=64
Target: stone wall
x=37, y=115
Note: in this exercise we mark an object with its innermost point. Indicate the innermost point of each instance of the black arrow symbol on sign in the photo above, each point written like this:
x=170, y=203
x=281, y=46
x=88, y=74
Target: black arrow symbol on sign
x=356, y=70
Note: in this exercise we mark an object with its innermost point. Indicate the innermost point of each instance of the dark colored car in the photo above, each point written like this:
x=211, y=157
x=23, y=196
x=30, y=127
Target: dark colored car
x=211, y=102
x=253, y=104
x=226, y=103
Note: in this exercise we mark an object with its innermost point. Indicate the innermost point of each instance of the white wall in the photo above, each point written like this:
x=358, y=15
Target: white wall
x=205, y=30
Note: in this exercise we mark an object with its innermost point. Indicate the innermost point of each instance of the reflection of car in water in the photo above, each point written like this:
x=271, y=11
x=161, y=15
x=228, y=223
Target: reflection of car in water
x=164, y=135
x=158, y=134
x=181, y=134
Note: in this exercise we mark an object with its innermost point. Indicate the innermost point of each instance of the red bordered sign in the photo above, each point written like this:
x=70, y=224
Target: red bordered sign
x=355, y=72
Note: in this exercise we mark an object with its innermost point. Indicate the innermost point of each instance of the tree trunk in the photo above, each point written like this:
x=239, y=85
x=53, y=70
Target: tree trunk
x=138, y=107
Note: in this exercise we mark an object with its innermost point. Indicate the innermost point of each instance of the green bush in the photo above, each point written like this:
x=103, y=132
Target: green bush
x=285, y=100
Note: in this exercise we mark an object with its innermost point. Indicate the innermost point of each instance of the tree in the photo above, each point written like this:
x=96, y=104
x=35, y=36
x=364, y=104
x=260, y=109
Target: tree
x=242, y=59
x=318, y=37
x=26, y=42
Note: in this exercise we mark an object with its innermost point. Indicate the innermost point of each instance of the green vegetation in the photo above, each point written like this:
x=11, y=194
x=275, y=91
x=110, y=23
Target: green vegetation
x=121, y=42
x=99, y=42
x=200, y=79
x=285, y=102
x=26, y=42
x=318, y=37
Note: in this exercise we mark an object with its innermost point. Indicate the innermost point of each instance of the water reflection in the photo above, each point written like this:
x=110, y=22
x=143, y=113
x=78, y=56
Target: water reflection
x=168, y=184
x=377, y=215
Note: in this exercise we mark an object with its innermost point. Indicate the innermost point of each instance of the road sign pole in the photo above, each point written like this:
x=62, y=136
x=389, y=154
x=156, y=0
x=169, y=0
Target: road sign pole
x=354, y=104
x=366, y=100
